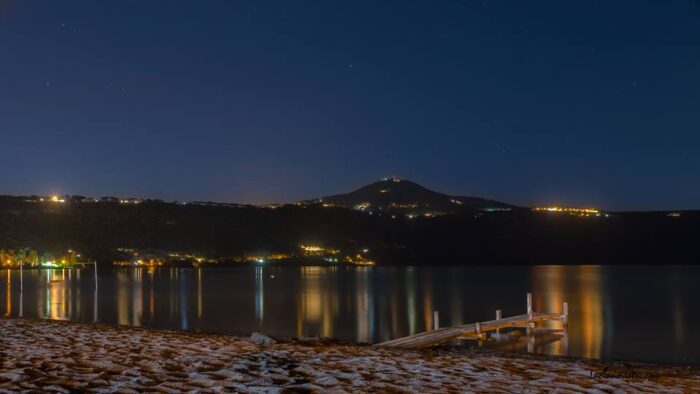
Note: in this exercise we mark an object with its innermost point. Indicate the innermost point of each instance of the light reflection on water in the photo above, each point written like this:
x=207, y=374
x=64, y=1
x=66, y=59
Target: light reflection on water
x=579, y=286
x=609, y=307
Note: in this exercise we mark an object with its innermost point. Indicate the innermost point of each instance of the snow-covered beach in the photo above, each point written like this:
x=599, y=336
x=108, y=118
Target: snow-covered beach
x=67, y=357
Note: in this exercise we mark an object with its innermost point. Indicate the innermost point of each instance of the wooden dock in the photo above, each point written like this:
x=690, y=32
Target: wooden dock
x=477, y=330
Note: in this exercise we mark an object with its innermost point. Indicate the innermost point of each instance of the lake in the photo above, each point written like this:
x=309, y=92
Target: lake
x=644, y=313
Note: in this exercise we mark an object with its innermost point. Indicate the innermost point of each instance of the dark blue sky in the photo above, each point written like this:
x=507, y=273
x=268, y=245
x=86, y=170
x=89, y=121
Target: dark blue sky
x=575, y=102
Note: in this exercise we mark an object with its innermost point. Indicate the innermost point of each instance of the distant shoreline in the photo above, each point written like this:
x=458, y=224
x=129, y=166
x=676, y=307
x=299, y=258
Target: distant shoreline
x=306, y=235
x=102, y=266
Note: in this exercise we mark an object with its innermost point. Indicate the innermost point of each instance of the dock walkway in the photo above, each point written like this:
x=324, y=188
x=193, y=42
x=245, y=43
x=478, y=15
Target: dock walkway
x=477, y=330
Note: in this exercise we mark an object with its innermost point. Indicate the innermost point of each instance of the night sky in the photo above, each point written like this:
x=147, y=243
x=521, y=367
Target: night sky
x=575, y=102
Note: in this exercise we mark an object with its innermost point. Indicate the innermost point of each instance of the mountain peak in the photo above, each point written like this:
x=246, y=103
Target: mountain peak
x=396, y=195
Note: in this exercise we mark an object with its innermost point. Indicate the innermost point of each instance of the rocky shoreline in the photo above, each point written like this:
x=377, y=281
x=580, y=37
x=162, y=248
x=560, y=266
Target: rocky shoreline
x=53, y=356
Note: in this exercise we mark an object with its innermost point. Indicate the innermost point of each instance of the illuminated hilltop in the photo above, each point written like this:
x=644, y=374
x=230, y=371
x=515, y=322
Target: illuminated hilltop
x=397, y=196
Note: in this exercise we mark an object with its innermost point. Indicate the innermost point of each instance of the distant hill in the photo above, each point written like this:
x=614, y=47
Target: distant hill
x=98, y=228
x=393, y=195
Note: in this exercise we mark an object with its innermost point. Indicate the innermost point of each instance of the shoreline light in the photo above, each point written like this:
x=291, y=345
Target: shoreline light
x=569, y=210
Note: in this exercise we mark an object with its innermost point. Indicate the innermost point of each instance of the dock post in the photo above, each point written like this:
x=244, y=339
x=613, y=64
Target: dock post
x=565, y=314
x=21, y=276
x=499, y=314
x=95, y=275
x=530, y=317
x=479, y=335
x=436, y=320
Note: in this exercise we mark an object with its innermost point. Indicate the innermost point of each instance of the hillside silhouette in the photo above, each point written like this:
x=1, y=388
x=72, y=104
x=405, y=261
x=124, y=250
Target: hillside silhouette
x=394, y=228
x=394, y=195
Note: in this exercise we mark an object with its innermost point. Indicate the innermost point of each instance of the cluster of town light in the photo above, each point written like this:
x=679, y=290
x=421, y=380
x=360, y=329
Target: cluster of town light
x=53, y=198
x=363, y=206
x=569, y=210
x=311, y=248
x=329, y=255
x=32, y=258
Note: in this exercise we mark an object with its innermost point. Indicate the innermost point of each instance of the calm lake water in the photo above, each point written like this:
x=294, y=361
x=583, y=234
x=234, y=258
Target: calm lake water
x=648, y=313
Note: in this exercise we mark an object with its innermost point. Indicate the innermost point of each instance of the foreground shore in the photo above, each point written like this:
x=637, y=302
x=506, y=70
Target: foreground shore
x=67, y=357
